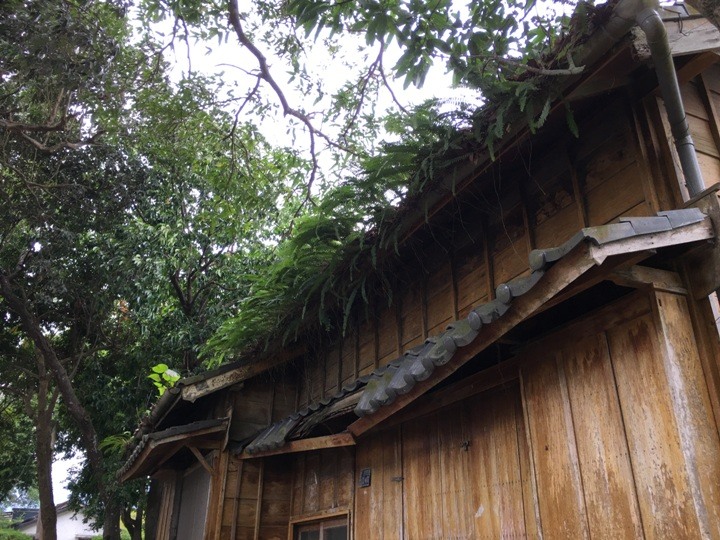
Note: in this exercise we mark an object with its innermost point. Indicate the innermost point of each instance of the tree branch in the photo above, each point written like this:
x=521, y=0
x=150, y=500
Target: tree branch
x=265, y=75
x=62, y=144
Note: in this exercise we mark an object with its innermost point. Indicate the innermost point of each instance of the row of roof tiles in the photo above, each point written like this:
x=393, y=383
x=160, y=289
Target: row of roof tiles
x=383, y=385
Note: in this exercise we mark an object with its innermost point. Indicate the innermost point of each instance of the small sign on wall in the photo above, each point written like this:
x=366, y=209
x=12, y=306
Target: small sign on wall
x=365, y=476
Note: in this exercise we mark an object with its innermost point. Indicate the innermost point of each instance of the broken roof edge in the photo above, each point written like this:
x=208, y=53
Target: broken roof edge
x=133, y=464
x=400, y=376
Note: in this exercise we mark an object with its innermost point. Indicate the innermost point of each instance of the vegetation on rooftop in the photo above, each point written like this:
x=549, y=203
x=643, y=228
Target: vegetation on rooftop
x=152, y=218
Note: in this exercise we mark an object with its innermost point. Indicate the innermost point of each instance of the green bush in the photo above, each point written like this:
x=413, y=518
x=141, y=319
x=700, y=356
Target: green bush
x=12, y=534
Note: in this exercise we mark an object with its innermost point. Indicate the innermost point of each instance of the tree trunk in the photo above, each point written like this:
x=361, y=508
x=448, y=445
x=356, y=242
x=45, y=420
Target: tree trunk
x=133, y=525
x=88, y=435
x=47, y=522
x=111, y=524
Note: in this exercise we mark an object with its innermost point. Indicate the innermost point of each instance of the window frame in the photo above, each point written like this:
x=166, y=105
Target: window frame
x=300, y=524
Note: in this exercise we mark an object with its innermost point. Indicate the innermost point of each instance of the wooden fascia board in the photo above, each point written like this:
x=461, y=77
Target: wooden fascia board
x=242, y=373
x=564, y=273
x=306, y=445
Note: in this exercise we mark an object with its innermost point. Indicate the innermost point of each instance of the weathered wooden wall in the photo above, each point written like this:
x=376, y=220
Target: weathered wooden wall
x=581, y=182
x=610, y=433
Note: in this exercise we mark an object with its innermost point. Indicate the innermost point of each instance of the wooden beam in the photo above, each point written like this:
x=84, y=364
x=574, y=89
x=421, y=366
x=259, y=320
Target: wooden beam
x=201, y=459
x=635, y=244
x=563, y=273
x=703, y=265
x=305, y=445
x=241, y=373
x=643, y=276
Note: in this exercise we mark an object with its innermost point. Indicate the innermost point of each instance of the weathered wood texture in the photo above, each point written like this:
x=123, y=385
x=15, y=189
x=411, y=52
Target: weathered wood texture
x=610, y=434
x=256, y=501
x=322, y=481
x=583, y=182
x=261, y=401
x=701, y=97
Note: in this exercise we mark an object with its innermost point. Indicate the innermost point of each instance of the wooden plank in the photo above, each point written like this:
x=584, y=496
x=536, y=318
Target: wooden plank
x=239, y=374
x=615, y=196
x=707, y=333
x=422, y=499
x=693, y=101
x=560, y=227
x=493, y=473
x=471, y=277
x=345, y=476
x=702, y=136
x=512, y=261
x=691, y=233
x=217, y=496
x=641, y=276
x=311, y=494
x=456, y=474
x=694, y=36
x=656, y=180
x=348, y=357
x=439, y=297
x=500, y=374
x=697, y=64
x=559, y=484
x=607, y=160
x=531, y=510
x=411, y=319
x=201, y=460
x=662, y=487
x=306, y=445
x=258, y=504
x=606, y=471
x=236, y=500
x=691, y=406
x=378, y=507
x=367, y=346
x=387, y=336
x=327, y=478
x=709, y=102
x=298, y=484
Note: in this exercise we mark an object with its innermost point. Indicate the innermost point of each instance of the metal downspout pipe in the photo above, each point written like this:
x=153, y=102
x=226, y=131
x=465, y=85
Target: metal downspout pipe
x=625, y=15
x=650, y=22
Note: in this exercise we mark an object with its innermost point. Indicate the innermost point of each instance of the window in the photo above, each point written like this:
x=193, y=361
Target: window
x=331, y=529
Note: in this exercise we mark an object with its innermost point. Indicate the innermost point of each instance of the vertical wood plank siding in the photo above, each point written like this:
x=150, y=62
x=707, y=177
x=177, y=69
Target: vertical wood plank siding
x=583, y=182
x=619, y=446
x=612, y=429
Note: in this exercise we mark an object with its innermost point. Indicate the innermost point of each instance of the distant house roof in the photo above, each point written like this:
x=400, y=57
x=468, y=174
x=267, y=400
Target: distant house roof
x=21, y=516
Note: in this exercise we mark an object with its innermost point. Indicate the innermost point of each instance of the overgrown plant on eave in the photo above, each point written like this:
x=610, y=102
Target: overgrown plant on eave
x=337, y=257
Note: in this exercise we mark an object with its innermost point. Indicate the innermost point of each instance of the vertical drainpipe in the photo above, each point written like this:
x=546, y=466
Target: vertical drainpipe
x=650, y=22
x=626, y=14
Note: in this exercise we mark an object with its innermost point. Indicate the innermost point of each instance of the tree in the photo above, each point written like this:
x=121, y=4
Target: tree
x=62, y=87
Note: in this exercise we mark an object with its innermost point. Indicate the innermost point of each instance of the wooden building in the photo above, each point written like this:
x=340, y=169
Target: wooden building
x=549, y=368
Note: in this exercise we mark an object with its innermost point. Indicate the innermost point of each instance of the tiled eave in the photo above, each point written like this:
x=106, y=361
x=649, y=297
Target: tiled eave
x=385, y=385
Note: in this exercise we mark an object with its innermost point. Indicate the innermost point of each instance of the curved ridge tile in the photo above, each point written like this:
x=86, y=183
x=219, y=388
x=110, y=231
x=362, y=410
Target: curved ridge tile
x=505, y=292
